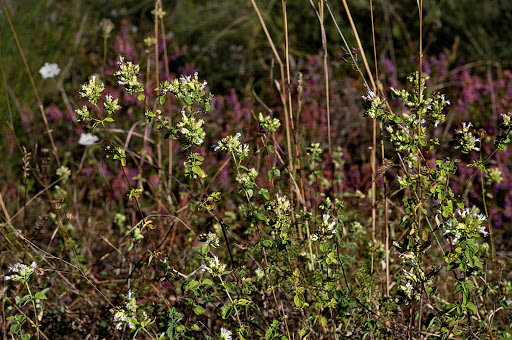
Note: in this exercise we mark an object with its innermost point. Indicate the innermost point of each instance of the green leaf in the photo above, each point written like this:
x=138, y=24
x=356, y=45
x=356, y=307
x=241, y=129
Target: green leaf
x=304, y=333
x=471, y=307
x=24, y=300
x=207, y=282
x=299, y=299
x=198, y=310
x=161, y=100
x=205, y=249
x=17, y=318
x=465, y=298
x=271, y=148
x=192, y=285
x=229, y=286
x=271, y=175
x=141, y=97
x=15, y=328
x=108, y=119
x=25, y=336
x=424, y=235
x=261, y=217
x=243, y=334
x=265, y=193
x=40, y=296
x=226, y=311
x=242, y=302
x=198, y=171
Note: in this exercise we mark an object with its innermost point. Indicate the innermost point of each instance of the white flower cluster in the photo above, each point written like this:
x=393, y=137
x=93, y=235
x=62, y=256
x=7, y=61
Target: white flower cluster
x=87, y=139
x=211, y=238
x=495, y=175
x=128, y=314
x=399, y=137
x=63, y=172
x=225, y=334
x=260, y=273
x=22, y=271
x=120, y=319
x=469, y=141
x=213, y=266
x=192, y=82
x=282, y=206
x=192, y=129
x=402, y=181
x=329, y=227
x=248, y=178
x=92, y=90
x=127, y=76
x=408, y=289
x=506, y=118
x=468, y=224
x=232, y=145
x=268, y=123
x=49, y=70
x=374, y=105
x=111, y=104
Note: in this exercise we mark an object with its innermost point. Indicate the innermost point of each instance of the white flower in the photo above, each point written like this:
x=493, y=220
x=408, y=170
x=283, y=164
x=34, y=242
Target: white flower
x=213, y=266
x=87, y=139
x=7, y=278
x=483, y=231
x=482, y=217
x=225, y=334
x=212, y=239
x=466, y=125
x=408, y=289
x=49, y=70
x=259, y=273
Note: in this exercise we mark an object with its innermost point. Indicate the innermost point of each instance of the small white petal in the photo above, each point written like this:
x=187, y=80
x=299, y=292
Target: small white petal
x=87, y=139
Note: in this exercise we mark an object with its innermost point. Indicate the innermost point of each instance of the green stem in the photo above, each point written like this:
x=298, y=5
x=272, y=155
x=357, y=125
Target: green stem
x=105, y=51
x=232, y=302
x=35, y=309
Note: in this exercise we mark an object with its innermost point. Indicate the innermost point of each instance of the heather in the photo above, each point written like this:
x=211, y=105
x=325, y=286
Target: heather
x=284, y=174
